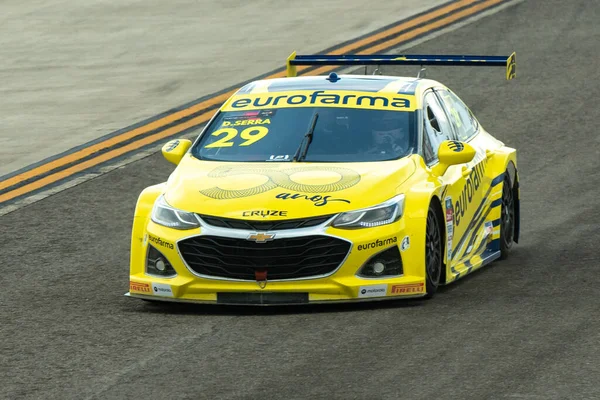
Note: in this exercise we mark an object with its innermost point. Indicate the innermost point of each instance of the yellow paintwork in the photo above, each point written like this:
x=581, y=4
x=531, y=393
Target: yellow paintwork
x=174, y=150
x=298, y=190
x=228, y=189
x=453, y=153
x=511, y=66
x=290, y=69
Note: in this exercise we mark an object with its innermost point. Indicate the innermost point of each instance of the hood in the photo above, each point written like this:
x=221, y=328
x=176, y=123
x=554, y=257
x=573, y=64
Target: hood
x=271, y=191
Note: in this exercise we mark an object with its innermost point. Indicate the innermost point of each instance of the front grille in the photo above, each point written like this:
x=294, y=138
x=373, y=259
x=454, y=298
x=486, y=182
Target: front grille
x=288, y=258
x=264, y=225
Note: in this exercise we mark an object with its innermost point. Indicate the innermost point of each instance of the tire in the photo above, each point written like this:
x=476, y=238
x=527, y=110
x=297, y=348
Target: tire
x=507, y=217
x=433, y=252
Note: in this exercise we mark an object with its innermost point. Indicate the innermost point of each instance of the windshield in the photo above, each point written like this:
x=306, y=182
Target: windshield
x=339, y=135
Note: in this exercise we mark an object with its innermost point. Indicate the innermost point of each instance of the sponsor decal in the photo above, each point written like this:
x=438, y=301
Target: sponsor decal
x=139, y=287
x=279, y=158
x=408, y=288
x=372, y=291
x=456, y=146
x=281, y=178
x=449, y=225
x=256, y=114
x=241, y=122
x=466, y=196
x=489, y=229
x=261, y=237
x=172, y=146
x=377, y=243
x=158, y=241
x=265, y=213
x=322, y=98
x=405, y=245
x=318, y=200
x=160, y=289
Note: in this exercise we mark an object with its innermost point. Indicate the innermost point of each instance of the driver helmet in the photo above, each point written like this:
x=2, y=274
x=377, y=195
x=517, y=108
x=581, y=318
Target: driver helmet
x=389, y=130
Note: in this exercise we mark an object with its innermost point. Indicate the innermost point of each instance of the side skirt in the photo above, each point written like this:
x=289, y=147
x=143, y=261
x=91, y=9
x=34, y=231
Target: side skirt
x=491, y=253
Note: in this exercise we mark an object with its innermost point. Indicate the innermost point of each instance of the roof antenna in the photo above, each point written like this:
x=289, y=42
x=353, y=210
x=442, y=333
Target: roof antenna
x=422, y=73
x=333, y=77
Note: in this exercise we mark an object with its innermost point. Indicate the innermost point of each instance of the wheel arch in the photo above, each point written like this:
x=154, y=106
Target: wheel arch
x=437, y=206
x=505, y=161
x=513, y=173
x=146, y=199
x=143, y=209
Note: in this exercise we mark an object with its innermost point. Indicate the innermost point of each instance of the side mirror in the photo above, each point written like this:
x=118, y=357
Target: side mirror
x=453, y=152
x=174, y=150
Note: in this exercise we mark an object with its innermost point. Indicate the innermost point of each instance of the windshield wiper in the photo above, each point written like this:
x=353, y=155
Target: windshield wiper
x=307, y=138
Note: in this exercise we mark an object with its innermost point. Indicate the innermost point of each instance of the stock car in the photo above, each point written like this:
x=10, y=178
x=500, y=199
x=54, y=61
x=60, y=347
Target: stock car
x=329, y=188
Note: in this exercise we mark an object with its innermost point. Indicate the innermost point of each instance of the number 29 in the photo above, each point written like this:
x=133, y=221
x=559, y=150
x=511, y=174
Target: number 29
x=250, y=135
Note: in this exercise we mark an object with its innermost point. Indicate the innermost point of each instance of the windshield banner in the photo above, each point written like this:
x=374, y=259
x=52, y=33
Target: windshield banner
x=322, y=98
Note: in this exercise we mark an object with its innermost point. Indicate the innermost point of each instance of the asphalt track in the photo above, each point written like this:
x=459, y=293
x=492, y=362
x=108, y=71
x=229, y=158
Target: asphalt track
x=525, y=328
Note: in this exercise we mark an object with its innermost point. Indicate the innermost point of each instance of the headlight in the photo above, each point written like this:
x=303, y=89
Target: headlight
x=382, y=214
x=164, y=214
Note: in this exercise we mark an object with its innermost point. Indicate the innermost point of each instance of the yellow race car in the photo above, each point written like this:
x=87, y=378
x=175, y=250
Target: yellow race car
x=335, y=188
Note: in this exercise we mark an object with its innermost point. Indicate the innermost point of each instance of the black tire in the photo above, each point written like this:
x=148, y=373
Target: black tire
x=507, y=217
x=433, y=252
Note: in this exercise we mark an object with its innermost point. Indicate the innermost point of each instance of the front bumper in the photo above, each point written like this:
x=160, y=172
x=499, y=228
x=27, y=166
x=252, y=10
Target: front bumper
x=340, y=285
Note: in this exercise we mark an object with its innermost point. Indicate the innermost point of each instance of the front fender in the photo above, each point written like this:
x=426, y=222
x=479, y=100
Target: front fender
x=420, y=191
x=505, y=160
x=143, y=208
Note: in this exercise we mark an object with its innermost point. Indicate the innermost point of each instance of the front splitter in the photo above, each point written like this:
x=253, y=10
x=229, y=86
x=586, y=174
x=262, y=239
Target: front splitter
x=263, y=304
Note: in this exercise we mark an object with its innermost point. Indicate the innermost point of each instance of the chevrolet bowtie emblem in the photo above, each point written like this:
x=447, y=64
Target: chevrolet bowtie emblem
x=261, y=237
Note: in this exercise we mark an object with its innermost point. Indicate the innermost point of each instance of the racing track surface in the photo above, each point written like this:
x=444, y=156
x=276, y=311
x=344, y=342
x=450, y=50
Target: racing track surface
x=527, y=328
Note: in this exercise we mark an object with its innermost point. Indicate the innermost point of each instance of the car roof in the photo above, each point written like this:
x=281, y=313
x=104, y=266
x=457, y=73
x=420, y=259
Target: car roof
x=363, y=83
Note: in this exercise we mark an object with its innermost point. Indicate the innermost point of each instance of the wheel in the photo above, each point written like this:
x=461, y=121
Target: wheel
x=433, y=252
x=507, y=217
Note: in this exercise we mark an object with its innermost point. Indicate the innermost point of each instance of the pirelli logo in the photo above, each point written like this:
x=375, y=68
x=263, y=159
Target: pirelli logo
x=408, y=288
x=139, y=287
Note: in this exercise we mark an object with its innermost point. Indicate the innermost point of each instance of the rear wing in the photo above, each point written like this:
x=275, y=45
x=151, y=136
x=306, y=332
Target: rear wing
x=509, y=62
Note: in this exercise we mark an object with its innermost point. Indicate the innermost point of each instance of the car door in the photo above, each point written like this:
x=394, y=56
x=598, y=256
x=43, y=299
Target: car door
x=470, y=204
x=437, y=128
